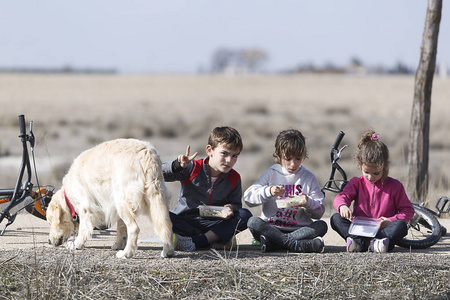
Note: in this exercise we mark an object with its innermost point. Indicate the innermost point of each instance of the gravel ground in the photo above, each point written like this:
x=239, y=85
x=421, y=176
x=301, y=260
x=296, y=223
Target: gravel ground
x=33, y=269
x=28, y=232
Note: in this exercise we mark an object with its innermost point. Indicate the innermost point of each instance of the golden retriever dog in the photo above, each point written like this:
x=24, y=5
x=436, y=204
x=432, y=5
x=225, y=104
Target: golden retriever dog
x=113, y=182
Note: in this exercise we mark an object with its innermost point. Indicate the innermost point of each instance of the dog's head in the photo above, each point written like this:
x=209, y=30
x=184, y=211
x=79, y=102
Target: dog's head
x=60, y=219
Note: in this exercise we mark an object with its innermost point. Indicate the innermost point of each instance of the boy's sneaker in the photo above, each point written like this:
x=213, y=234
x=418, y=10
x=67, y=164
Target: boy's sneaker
x=183, y=243
x=231, y=245
x=315, y=245
x=353, y=246
x=266, y=244
x=255, y=242
x=379, y=245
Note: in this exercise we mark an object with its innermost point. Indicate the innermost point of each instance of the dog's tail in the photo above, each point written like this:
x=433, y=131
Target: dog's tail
x=157, y=196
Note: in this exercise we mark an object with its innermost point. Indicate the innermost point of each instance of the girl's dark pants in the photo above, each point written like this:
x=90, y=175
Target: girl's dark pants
x=395, y=231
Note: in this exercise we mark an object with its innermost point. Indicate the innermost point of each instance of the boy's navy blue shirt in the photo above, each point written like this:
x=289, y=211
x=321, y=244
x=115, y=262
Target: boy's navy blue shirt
x=197, y=187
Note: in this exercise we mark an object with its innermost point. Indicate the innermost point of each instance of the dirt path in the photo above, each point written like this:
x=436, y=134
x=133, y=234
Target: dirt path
x=30, y=232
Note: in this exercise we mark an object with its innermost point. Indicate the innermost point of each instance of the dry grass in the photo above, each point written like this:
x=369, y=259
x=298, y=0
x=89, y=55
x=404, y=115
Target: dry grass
x=97, y=274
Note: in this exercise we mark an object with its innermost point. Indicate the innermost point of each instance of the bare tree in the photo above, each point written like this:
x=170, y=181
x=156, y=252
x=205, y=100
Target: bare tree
x=221, y=59
x=253, y=58
x=249, y=59
x=419, y=140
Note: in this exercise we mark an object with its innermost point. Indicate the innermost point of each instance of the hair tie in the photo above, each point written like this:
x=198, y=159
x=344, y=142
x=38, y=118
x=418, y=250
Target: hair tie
x=375, y=137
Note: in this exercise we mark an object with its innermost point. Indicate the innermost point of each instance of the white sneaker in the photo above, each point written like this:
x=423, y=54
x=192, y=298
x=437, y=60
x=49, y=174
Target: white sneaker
x=353, y=246
x=379, y=245
x=183, y=243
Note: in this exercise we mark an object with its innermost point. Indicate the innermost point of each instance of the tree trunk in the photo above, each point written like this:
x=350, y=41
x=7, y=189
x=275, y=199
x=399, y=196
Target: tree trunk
x=419, y=141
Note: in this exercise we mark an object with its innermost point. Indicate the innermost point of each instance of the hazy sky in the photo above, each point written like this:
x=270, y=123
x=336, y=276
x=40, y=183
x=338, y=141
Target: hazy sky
x=181, y=36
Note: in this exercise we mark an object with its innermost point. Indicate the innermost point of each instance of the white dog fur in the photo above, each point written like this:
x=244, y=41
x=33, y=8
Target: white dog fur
x=113, y=182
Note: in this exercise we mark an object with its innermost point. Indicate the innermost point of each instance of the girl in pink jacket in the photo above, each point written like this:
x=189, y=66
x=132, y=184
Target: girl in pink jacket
x=374, y=195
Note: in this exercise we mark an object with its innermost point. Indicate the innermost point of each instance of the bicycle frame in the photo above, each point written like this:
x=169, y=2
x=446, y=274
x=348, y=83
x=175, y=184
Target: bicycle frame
x=23, y=189
x=336, y=185
x=443, y=206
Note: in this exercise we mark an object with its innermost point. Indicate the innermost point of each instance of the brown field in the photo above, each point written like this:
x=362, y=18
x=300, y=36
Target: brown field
x=72, y=113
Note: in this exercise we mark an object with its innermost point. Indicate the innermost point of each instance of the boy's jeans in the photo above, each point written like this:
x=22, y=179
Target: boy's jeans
x=225, y=229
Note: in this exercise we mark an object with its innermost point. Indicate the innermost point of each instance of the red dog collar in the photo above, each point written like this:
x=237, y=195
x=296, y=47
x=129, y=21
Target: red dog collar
x=72, y=211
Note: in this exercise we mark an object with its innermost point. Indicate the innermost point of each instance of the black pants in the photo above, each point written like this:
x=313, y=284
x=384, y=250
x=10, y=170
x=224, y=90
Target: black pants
x=225, y=229
x=395, y=231
x=280, y=238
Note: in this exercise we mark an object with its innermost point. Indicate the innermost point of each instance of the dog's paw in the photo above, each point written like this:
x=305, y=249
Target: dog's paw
x=166, y=254
x=118, y=246
x=123, y=254
x=70, y=245
x=168, y=250
x=73, y=245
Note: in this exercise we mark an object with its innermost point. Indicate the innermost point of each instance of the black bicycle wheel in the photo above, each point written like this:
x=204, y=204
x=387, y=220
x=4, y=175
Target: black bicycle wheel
x=38, y=207
x=424, y=230
x=32, y=210
x=443, y=229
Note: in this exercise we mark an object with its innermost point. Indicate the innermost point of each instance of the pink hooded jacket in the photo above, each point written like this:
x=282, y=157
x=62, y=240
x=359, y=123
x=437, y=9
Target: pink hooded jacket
x=375, y=200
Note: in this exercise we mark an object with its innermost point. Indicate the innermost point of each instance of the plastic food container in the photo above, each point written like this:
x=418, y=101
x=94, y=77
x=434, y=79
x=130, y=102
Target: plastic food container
x=213, y=211
x=291, y=202
x=363, y=226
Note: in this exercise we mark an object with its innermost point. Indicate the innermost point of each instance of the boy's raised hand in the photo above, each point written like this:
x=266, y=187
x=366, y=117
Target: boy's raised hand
x=185, y=159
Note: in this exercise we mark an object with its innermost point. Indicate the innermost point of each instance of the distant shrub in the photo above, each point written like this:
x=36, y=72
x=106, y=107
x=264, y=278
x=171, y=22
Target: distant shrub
x=148, y=132
x=258, y=110
x=167, y=131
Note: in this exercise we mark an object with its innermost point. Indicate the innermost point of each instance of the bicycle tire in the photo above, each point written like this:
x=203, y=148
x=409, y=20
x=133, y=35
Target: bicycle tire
x=38, y=207
x=32, y=210
x=443, y=229
x=424, y=230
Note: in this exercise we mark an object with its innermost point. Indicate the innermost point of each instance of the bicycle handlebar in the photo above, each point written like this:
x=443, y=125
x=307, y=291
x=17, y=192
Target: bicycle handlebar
x=22, y=125
x=332, y=184
x=338, y=139
x=336, y=143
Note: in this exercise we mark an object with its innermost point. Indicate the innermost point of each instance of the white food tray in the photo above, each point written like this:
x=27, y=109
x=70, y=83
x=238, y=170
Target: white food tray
x=213, y=211
x=291, y=202
x=363, y=226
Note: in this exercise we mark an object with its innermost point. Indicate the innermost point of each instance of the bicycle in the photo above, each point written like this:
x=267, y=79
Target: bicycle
x=37, y=197
x=424, y=230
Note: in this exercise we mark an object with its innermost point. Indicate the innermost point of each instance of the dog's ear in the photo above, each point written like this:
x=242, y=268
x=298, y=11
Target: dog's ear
x=54, y=210
x=58, y=214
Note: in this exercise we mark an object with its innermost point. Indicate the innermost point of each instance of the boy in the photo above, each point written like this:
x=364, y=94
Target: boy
x=209, y=181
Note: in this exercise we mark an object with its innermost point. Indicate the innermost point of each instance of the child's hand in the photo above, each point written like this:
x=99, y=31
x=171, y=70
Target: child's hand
x=345, y=212
x=185, y=159
x=277, y=190
x=305, y=198
x=230, y=213
x=384, y=222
